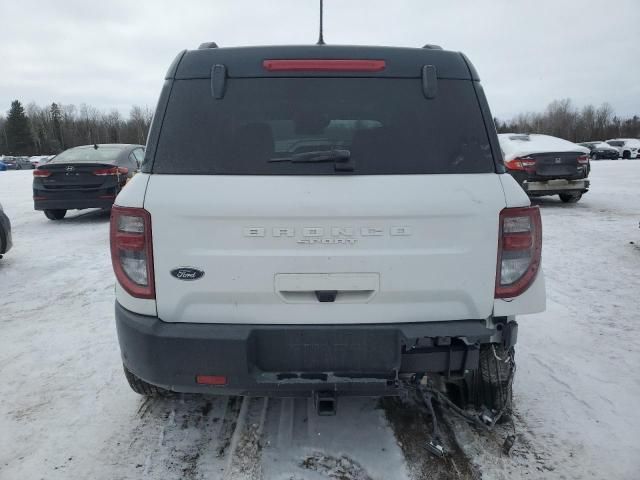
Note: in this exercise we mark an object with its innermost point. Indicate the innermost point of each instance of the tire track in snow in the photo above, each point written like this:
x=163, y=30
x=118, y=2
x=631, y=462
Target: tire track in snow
x=244, y=461
x=175, y=437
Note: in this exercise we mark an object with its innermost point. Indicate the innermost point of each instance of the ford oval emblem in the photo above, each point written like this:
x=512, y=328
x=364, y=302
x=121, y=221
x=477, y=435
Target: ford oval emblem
x=187, y=273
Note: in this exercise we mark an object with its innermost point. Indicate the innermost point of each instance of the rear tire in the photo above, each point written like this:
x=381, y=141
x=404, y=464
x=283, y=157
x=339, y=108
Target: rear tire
x=570, y=197
x=55, y=214
x=143, y=388
x=626, y=154
x=491, y=384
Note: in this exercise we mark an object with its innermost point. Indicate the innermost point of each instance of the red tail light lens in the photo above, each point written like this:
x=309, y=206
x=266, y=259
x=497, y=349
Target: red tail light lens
x=527, y=164
x=583, y=160
x=131, y=250
x=519, y=250
x=324, y=65
x=41, y=173
x=111, y=171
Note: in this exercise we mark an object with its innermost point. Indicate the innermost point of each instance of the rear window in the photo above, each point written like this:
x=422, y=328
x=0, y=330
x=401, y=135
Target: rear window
x=386, y=125
x=89, y=155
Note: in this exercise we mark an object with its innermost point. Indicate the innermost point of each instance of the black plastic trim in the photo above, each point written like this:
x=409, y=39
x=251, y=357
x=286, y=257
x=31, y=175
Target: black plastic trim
x=252, y=357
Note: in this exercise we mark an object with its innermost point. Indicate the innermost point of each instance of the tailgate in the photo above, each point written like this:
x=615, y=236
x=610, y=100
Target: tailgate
x=325, y=249
x=557, y=165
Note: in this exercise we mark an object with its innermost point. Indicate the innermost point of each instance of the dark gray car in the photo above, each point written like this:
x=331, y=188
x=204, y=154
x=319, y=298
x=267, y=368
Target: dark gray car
x=5, y=233
x=90, y=176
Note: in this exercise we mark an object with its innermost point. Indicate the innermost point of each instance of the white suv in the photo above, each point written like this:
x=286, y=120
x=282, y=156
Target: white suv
x=319, y=219
x=628, y=147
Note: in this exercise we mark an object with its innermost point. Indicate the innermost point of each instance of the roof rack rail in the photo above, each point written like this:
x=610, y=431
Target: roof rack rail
x=207, y=45
x=430, y=46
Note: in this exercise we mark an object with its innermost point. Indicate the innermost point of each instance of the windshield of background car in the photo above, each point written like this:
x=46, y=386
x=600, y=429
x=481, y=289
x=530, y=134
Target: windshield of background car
x=616, y=144
x=386, y=124
x=89, y=155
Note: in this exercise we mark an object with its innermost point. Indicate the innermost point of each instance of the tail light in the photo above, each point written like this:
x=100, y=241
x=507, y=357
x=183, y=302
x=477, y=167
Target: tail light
x=131, y=250
x=583, y=160
x=111, y=171
x=41, y=173
x=525, y=164
x=519, y=250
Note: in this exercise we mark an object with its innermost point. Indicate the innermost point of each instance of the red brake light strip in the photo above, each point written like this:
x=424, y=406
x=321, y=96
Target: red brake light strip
x=307, y=65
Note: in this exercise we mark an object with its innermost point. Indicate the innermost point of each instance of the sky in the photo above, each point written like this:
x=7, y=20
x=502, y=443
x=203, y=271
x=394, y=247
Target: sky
x=113, y=54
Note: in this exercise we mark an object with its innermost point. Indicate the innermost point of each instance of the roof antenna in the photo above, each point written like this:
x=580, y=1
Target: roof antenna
x=321, y=37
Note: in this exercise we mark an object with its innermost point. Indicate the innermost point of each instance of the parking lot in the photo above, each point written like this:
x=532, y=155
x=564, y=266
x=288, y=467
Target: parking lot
x=67, y=412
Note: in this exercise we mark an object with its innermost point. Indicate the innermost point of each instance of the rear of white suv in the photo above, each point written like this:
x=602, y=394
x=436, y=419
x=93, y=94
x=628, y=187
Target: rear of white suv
x=315, y=219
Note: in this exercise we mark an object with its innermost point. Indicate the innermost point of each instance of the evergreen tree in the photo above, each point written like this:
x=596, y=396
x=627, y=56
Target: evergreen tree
x=18, y=131
x=56, y=124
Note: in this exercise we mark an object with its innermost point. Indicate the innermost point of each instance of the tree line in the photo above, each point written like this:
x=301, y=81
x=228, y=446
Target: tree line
x=36, y=130
x=562, y=119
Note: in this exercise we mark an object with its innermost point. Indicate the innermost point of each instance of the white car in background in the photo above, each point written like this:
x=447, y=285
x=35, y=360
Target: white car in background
x=628, y=147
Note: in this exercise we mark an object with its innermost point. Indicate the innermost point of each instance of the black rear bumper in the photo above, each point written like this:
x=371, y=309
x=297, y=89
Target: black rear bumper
x=76, y=199
x=73, y=204
x=293, y=360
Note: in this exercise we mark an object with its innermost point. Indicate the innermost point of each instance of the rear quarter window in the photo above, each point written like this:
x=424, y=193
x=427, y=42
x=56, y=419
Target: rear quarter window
x=386, y=123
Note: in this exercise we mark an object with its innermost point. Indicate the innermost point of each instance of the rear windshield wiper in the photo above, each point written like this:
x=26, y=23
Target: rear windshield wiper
x=317, y=156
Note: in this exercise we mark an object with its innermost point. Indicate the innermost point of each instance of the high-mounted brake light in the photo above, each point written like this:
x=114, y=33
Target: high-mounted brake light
x=41, y=173
x=131, y=250
x=307, y=65
x=111, y=171
x=519, y=250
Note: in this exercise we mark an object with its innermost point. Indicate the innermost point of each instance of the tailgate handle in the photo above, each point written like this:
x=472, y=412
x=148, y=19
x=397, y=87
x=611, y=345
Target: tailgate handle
x=326, y=296
x=327, y=287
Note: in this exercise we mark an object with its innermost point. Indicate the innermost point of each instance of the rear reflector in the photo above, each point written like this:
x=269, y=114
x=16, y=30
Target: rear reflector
x=519, y=250
x=324, y=65
x=211, y=379
x=41, y=173
x=131, y=250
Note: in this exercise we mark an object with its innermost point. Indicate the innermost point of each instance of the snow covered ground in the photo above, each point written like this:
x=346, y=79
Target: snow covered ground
x=67, y=413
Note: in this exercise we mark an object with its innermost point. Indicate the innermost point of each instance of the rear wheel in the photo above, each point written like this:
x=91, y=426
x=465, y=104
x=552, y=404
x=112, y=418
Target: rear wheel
x=55, y=214
x=626, y=154
x=141, y=387
x=491, y=384
x=570, y=197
